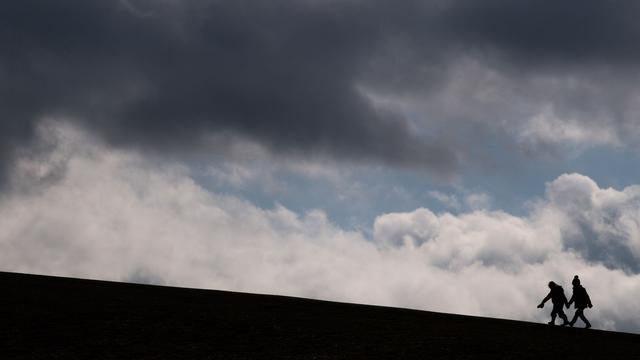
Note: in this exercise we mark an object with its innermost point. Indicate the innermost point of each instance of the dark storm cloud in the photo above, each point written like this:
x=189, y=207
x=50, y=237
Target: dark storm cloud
x=160, y=74
x=567, y=31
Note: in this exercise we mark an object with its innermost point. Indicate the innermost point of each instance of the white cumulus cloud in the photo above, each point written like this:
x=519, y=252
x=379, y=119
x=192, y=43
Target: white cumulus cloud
x=83, y=209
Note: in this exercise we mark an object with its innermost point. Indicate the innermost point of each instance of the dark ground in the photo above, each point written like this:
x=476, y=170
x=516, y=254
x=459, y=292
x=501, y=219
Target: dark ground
x=60, y=318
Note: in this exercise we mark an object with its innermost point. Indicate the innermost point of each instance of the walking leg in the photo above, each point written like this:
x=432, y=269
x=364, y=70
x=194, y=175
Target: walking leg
x=583, y=318
x=563, y=317
x=575, y=318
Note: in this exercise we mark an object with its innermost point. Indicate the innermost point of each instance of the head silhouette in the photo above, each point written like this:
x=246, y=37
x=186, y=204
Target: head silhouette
x=552, y=284
x=575, y=281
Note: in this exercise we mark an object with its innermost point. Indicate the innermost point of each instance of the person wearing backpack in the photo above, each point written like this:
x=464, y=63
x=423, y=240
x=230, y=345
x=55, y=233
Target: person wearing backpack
x=558, y=299
x=581, y=300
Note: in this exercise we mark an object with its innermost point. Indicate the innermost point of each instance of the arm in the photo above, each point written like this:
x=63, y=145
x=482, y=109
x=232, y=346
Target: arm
x=541, y=305
x=570, y=301
x=588, y=299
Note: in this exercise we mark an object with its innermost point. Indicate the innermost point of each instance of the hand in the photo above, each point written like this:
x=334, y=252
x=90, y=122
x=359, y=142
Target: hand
x=540, y=306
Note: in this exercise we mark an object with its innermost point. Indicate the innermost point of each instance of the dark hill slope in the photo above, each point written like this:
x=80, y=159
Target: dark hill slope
x=61, y=318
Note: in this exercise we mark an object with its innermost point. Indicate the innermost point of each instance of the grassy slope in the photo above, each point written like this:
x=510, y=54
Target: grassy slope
x=50, y=317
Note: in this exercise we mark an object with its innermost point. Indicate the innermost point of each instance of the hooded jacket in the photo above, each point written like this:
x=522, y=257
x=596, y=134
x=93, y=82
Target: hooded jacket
x=580, y=298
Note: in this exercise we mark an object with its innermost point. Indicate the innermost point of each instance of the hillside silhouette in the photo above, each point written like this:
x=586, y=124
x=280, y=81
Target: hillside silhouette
x=52, y=317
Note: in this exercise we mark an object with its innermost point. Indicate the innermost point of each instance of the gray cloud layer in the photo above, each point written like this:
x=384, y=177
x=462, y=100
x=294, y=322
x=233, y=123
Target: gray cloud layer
x=290, y=74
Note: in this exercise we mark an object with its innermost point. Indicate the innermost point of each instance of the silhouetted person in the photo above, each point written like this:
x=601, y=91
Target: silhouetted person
x=556, y=294
x=581, y=300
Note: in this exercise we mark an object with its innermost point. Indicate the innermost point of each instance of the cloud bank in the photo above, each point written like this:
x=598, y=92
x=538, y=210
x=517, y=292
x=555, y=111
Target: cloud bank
x=428, y=85
x=85, y=209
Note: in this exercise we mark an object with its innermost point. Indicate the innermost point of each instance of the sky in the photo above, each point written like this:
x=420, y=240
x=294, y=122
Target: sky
x=449, y=156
